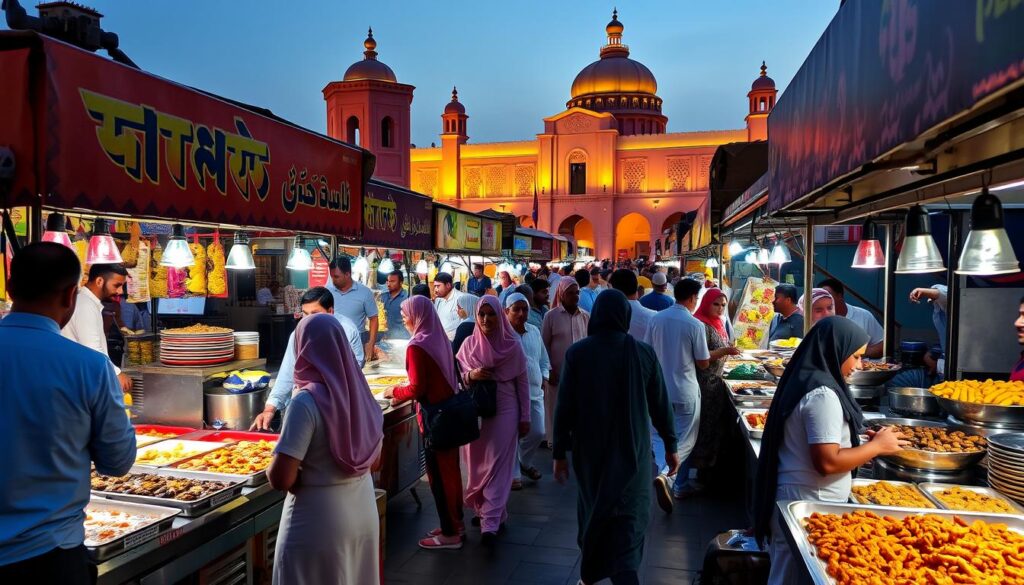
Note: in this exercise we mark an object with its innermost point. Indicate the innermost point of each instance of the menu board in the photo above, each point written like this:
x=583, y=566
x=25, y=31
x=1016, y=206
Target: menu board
x=522, y=245
x=491, y=238
x=754, y=313
x=472, y=230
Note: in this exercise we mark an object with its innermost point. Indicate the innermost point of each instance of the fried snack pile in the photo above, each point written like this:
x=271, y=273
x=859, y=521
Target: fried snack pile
x=217, y=279
x=864, y=548
x=877, y=366
x=165, y=456
x=389, y=380
x=988, y=392
x=756, y=419
x=883, y=493
x=957, y=498
x=197, y=328
x=155, y=433
x=130, y=253
x=242, y=458
x=157, y=486
x=940, y=440
x=157, y=274
x=196, y=281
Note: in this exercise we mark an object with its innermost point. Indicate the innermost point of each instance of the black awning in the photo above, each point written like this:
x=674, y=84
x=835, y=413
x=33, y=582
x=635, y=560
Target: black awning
x=734, y=168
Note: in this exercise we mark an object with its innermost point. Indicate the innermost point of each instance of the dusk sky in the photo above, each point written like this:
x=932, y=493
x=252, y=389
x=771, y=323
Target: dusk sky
x=513, y=62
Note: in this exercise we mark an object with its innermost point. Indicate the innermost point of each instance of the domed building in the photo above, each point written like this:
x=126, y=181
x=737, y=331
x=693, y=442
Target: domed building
x=605, y=170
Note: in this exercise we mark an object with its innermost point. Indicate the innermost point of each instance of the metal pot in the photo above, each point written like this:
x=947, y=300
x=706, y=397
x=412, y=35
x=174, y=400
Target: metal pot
x=224, y=410
x=914, y=402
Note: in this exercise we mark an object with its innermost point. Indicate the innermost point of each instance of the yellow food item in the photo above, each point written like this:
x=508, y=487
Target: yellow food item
x=81, y=246
x=883, y=493
x=197, y=328
x=756, y=420
x=217, y=279
x=865, y=548
x=127, y=399
x=130, y=253
x=165, y=456
x=157, y=274
x=389, y=380
x=791, y=342
x=242, y=458
x=957, y=498
x=990, y=391
x=196, y=281
x=154, y=433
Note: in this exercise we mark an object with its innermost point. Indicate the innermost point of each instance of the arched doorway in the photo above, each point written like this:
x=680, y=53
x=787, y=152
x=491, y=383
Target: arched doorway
x=526, y=221
x=580, y=229
x=671, y=221
x=633, y=236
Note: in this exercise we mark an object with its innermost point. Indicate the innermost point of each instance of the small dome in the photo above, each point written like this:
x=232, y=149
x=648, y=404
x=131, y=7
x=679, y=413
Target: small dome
x=614, y=75
x=370, y=67
x=763, y=81
x=454, y=107
x=614, y=27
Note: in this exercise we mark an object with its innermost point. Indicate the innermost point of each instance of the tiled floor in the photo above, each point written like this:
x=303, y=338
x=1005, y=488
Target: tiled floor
x=539, y=545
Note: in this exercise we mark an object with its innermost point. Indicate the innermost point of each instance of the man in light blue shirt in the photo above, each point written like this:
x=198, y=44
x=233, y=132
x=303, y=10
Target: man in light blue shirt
x=538, y=366
x=354, y=301
x=315, y=300
x=590, y=287
x=62, y=410
x=680, y=342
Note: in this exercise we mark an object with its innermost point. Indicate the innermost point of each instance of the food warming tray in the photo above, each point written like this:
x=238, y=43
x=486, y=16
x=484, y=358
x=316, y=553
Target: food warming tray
x=862, y=482
x=754, y=433
x=251, y=480
x=169, y=444
x=930, y=489
x=164, y=519
x=760, y=397
x=188, y=508
x=228, y=437
x=793, y=513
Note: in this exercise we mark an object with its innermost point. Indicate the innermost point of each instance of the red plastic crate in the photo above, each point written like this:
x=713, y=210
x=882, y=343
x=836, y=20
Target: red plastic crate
x=233, y=436
x=178, y=431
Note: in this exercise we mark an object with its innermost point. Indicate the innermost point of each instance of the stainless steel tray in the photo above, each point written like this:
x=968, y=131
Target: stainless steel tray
x=930, y=489
x=188, y=508
x=931, y=460
x=872, y=377
x=792, y=514
x=862, y=482
x=251, y=480
x=754, y=433
x=167, y=444
x=982, y=413
x=164, y=519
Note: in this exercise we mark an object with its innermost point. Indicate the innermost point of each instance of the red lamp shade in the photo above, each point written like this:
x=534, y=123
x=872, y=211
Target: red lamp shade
x=55, y=231
x=869, y=255
x=102, y=249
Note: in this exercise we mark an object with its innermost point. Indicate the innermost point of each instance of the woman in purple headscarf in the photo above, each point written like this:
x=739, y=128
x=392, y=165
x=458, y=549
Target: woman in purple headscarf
x=494, y=352
x=332, y=436
x=822, y=305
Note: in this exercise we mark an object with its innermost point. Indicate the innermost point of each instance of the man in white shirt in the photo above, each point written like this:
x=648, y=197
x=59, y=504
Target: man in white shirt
x=538, y=366
x=860, y=316
x=446, y=301
x=680, y=342
x=627, y=283
x=86, y=325
x=315, y=300
x=354, y=301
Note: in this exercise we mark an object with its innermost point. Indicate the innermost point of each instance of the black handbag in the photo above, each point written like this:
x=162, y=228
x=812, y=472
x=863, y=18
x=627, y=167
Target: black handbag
x=484, y=392
x=451, y=423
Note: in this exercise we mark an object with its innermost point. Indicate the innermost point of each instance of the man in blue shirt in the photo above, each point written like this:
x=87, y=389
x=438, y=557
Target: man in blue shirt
x=657, y=299
x=392, y=301
x=63, y=410
x=588, y=294
x=354, y=301
x=480, y=283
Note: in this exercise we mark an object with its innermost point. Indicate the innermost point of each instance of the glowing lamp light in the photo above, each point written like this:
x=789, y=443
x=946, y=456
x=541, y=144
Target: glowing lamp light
x=300, y=258
x=780, y=254
x=735, y=248
x=869, y=252
x=386, y=265
x=240, y=256
x=987, y=249
x=177, y=253
x=711, y=263
x=919, y=255
x=102, y=249
x=421, y=267
x=751, y=257
x=763, y=256
x=55, y=230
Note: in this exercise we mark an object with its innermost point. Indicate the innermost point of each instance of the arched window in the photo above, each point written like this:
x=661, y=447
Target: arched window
x=352, y=131
x=763, y=105
x=387, y=132
x=577, y=172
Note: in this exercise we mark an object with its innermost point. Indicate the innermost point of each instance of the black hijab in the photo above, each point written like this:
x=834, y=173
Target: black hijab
x=611, y=313
x=817, y=362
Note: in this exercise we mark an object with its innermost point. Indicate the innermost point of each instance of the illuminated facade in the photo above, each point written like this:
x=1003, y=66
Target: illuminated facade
x=604, y=170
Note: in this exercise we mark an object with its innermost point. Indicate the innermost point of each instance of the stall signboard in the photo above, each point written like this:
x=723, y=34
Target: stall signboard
x=458, y=231
x=883, y=73
x=115, y=139
x=320, y=273
x=522, y=245
x=396, y=218
x=541, y=249
x=491, y=237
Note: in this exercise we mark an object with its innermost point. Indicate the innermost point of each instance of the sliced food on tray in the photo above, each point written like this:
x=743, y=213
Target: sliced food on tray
x=967, y=500
x=884, y=493
x=387, y=380
x=756, y=420
x=105, y=523
x=241, y=458
x=171, y=451
x=158, y=486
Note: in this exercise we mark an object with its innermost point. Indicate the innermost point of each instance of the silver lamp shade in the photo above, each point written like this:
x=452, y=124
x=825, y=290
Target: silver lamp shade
x=988, y=249
x=919, y=255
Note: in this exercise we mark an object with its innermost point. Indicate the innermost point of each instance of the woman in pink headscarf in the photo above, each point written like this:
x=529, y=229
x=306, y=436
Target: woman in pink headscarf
x=822, y=305
x=332, y=436
x=494, y=352
x=431, y=368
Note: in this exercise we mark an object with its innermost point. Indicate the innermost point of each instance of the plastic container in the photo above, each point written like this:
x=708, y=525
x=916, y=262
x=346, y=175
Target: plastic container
x=912, y=353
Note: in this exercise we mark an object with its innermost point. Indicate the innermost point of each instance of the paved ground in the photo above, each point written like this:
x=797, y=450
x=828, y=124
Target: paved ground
x=539, y=546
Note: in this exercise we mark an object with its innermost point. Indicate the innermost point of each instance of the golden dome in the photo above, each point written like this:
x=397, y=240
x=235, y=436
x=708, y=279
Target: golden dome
x=370, y=67
x=454, y=106
x=614, y=72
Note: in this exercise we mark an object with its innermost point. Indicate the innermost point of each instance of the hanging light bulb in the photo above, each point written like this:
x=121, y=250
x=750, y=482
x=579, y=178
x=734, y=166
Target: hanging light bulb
x=421, y=267
x=177, y=253
x=987, y=249
x=763, y=256
x=735, y=248
x=869, y=252
x=780, y=254
x=102, y=249
x=751, y=257
x=361, y=265
x=711, y=263
x=55, y=230
x=240, y=256
x=386, y=265
x=299, y=259
x=919, y=255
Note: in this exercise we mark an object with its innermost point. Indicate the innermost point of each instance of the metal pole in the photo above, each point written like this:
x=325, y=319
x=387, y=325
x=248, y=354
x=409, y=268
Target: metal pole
x=956, y=221
x=889, y=294
x=808, y=272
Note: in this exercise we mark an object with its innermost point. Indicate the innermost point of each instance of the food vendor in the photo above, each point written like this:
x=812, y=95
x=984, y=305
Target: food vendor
x=821, y=305
x=106, y=281
x=392, y=301
x=480, y=283
x=315, y=300
x=862, y=317
x=52, y=426
x=1017, y=375
x=355, y=301
x=811, y=437
x=934, y=363
x=788, y=320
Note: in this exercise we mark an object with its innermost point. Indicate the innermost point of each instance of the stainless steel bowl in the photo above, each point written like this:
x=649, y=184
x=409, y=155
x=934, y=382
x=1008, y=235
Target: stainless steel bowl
x=872, y=377
x=931, y=460
x=913, y=401
x=982, y=413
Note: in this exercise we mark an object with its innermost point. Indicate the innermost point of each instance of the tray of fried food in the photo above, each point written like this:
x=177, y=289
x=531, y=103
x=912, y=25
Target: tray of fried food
x=112, y=528
x=970, y=498
x=753, y=421
x=989, y=401
x=387, y=381
x=247, y=460
x=898, y=494
x=170, y=451
x=194, y=493
x=853, y=544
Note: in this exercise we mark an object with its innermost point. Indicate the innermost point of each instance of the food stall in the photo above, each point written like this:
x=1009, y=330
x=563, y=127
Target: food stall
x=462, y=238
x=97, y=140
x=857, y=136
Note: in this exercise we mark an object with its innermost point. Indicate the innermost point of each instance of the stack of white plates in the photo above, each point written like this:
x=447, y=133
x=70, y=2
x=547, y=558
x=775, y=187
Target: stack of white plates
x=247, y=337
x=1006, y=464
x=196, y=349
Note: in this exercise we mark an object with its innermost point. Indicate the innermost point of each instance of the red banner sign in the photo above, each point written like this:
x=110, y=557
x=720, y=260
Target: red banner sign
x=123, y=141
